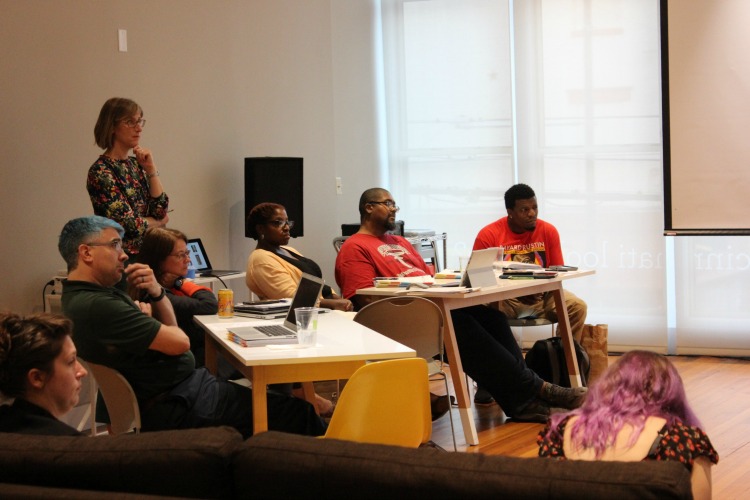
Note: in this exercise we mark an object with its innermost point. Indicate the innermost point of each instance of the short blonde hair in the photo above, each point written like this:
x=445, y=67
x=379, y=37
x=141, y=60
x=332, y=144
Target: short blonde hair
x=114, y=110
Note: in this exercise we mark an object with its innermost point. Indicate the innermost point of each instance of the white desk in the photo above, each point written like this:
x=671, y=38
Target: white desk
x=342, y=347
x=449, y=299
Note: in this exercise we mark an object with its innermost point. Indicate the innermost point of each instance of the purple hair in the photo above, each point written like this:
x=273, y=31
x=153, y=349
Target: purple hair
x=639, y=385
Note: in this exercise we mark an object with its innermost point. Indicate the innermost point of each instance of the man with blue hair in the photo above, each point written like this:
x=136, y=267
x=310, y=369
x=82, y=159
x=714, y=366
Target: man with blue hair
x=140, y=339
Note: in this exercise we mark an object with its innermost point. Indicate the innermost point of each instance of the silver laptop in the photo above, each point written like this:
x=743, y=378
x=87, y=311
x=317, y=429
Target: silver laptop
x=480, y=271
x=308, y=291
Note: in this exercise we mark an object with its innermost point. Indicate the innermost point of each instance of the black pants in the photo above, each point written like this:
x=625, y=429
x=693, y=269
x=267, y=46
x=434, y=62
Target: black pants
x=491, y=356
x=202, y=400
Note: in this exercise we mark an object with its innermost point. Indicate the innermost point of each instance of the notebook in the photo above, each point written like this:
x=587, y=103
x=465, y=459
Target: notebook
x=480, y=271
x=267, y=309
x=308, y=291
x=200, y=262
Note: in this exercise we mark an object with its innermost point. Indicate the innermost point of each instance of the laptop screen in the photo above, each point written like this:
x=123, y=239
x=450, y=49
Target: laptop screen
x=307, y=294
x=198, y=256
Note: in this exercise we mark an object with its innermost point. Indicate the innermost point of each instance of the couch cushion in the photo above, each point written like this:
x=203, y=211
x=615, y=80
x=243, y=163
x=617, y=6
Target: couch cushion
x=186, y=463
x=276, y=464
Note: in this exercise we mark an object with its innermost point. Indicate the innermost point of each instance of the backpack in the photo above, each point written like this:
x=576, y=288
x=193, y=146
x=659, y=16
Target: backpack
x=547, y=358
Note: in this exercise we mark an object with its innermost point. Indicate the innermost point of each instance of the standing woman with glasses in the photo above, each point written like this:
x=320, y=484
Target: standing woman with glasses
x=165, y=251
x=124, y=188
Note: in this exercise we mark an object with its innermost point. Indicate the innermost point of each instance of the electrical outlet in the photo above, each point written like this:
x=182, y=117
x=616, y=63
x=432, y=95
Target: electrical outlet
x=339, y=189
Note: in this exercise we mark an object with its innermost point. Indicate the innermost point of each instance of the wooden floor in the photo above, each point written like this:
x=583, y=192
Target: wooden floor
x=718, y=390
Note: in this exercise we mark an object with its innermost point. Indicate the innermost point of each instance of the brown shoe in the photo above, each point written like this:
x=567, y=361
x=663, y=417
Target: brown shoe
x=440, y=405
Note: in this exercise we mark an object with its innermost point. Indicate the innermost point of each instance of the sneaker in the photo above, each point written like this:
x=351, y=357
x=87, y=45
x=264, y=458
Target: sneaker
x=564, y=397
x=536, y=411
x=483, y=398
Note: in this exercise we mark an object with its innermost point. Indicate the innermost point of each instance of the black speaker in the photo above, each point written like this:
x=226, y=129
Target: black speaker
x=276, y=180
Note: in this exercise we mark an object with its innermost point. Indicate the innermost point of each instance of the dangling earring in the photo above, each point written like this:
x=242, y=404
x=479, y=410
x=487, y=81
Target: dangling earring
x=262, y=236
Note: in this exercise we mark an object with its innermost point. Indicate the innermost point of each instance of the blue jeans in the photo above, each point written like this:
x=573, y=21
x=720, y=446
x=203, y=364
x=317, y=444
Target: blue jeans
x=202, y=400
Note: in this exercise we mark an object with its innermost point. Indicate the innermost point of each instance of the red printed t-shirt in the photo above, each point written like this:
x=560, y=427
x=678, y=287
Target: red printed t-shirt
x=364, y=257
x=541, y=246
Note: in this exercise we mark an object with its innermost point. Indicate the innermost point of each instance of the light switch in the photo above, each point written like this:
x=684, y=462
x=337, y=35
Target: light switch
x=339, y=190
x=122, y=39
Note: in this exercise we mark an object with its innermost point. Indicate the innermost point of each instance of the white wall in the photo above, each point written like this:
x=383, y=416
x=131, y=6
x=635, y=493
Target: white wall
x=218, y=80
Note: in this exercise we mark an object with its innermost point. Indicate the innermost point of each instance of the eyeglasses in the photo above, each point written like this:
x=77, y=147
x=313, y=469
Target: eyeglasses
x=281, y=223
x=132, y=123
x=115, y=245
x=181, y=255
x=390, y=205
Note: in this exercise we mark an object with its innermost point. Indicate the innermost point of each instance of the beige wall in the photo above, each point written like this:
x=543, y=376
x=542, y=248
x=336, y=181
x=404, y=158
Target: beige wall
x=219, y=80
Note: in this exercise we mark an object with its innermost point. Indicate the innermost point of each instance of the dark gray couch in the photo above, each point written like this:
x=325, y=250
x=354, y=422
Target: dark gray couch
x=216, y=463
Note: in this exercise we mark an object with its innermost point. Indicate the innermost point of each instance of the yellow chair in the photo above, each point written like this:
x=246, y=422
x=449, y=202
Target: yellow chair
x=416, y=323
x=387, y=402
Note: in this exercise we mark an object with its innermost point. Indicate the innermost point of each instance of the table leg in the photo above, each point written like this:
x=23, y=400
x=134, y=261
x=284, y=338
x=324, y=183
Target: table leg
x=260, y=400
x=563, y=328
x=211, y=354
x=457, y=375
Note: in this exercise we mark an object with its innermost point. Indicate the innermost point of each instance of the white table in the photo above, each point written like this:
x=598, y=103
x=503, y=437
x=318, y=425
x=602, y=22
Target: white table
x=450, y=298
x=342, y=347
x=234, y=281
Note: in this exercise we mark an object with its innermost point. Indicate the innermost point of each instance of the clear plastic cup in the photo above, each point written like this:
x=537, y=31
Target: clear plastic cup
x=307, y=325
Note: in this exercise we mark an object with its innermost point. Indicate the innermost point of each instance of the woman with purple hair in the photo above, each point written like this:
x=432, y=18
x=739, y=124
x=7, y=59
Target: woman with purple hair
x=636, y=411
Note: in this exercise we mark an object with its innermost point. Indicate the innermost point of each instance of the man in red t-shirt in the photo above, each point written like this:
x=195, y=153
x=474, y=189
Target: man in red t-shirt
x=528, y=239
x=525, y=238
x=488, y=350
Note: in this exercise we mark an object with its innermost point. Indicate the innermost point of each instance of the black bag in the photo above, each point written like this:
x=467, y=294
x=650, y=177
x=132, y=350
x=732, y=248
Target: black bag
x=547, y=358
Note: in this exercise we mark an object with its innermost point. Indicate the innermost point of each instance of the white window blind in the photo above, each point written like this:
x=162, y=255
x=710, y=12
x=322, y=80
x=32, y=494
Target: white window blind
x=563, y=95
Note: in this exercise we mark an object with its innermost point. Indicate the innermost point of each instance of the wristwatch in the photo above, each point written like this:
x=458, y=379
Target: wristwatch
x=159, y=297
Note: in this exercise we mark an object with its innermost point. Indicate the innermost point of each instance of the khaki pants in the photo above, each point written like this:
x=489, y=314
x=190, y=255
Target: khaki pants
x=545, y=308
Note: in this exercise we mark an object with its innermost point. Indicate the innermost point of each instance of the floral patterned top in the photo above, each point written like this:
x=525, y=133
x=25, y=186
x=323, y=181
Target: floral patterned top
x=119, y=190
x=676, y=442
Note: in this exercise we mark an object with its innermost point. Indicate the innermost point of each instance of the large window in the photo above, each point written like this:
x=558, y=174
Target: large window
x=563, y=95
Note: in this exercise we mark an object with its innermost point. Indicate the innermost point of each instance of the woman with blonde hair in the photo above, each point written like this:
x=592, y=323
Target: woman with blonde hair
x=636, y=411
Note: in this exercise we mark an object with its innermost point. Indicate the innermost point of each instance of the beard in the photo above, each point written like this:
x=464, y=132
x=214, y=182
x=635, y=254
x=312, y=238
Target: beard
x=389, y=225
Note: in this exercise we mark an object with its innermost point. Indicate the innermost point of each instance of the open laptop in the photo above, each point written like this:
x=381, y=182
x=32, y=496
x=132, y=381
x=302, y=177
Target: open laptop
x=308, y=291
x=480, y=271
x=200, y=262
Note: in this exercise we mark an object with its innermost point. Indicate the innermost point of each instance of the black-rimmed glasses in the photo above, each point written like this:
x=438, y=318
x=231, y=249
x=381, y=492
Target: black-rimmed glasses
x=281, y=223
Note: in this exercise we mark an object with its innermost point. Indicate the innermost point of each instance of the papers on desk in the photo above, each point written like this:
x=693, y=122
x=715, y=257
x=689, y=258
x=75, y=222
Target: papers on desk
x=448, y=275
x=405, y=282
